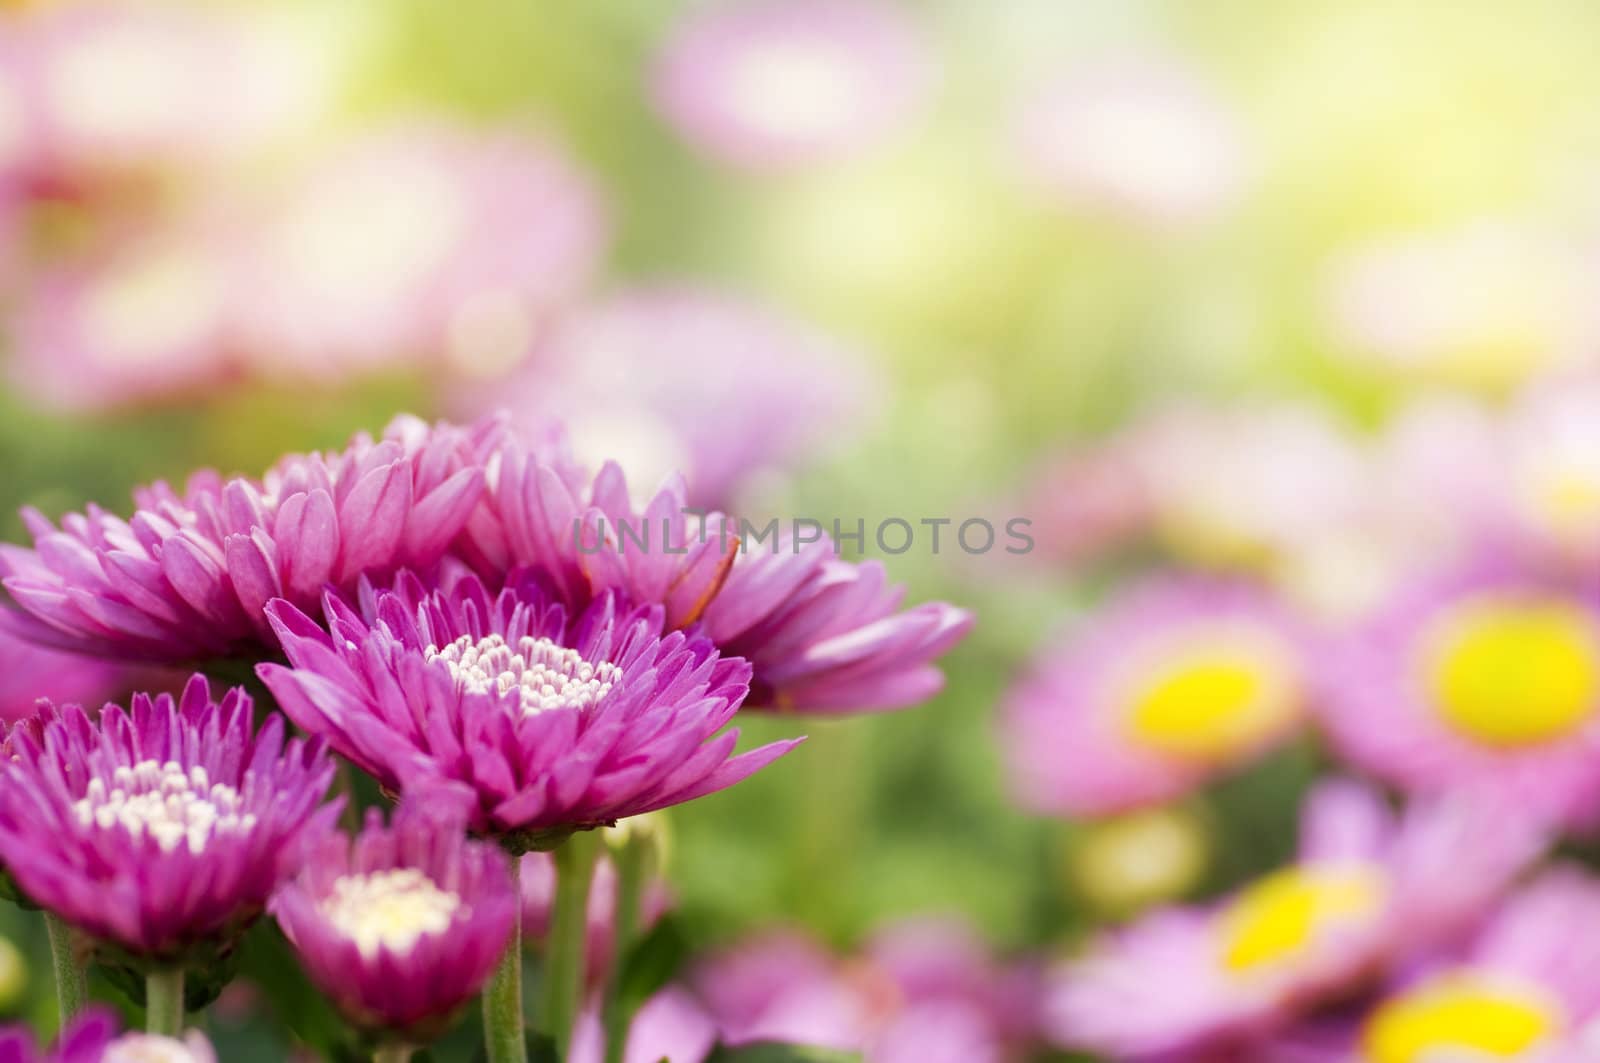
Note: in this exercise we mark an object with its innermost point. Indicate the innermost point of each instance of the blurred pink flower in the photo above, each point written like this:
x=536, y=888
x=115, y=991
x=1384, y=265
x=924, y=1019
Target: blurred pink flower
x=1248, y=484
x=1487, y=304
x=923, y=991
x=1172, y=683
x=1553, y=450
x=783, y=986
x=773, y=84
x=671, y=1026
x=1090, y=500
x=676, y=378
x=940, y=967
x=29, y=672
x=1482, y=675
x=419, y=243
x=139, y=88
x=1142, y=138
x=18, y=115
x=1521, y=990
x=1370, y=892
x=1433, y=490
x=145, y=319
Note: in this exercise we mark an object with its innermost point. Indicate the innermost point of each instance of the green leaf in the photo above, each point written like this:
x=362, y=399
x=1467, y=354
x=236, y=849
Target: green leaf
x=652, y=962
x=202, y=985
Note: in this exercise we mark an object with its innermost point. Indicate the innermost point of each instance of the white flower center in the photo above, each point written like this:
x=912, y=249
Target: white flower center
x=165, y=802
x=545, y=674
x=149, y=1048
x=389, y=909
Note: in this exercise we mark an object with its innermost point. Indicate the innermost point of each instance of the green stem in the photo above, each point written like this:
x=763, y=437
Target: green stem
x=631, y=861
x=398, y=1053
x=502, y=997
x=163, y=1001
x=563, y=986
x=72, y=984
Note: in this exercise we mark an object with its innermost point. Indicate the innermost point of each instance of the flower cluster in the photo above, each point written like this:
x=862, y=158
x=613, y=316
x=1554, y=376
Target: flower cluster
x=453, y=612
x=159, y=133
x=1426, y=623
x=188, y=578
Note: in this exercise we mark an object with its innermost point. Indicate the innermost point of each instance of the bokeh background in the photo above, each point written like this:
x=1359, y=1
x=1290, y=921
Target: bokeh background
x=1279, y=290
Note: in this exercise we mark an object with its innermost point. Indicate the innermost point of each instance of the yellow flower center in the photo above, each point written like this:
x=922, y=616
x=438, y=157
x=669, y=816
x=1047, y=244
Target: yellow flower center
x=1459, y=1014
x=1511, y=673
x=1286, y=914
x=1214, y=703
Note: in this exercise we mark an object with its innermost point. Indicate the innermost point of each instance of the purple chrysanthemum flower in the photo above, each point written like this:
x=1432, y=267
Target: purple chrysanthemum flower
x=402, y=925
x=825, y=635
x=92, y=1038
x=552, y=723
x=162, y=828
x=187, y=577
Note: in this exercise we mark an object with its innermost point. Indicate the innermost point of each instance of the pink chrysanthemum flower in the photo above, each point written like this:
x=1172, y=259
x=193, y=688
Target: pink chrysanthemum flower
x=1143, y=138
x=421, y=243
x=1171, y=684
x=187, y=578
x=551, y=723
x=403, y=924
x=587, y=537
x=826, y=635
x=1483, y=677
x=1369, y=893
x=676, y=378
x=773, y=84
x=92, y=1038
x=823, y=635
x=163, y=829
